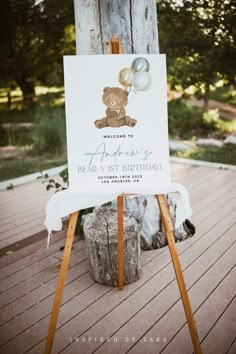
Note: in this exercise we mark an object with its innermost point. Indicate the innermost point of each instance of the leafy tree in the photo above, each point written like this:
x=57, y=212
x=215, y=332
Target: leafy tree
x=33, y=40
x=199, y=38
x=58, y=32
x=18, y=43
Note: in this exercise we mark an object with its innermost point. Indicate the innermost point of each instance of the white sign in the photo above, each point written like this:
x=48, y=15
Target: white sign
x=116, y=118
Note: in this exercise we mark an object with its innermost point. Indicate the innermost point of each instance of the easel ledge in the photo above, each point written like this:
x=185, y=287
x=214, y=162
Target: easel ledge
x=115, y=47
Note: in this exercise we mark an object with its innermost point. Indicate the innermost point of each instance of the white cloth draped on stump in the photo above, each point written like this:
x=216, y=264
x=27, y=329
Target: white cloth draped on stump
x=62, y=204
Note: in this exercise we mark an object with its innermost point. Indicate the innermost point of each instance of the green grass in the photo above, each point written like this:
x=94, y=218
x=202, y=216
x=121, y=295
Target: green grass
x=30, y=164
x=225, y=154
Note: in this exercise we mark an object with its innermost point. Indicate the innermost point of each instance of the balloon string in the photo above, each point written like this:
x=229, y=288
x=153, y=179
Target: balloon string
x=134, y=92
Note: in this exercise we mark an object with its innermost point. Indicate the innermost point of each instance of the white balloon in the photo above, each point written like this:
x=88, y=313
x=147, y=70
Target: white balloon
x=142, y=81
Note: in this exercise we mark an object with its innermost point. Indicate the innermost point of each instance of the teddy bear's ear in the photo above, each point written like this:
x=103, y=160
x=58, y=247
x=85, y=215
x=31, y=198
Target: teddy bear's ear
x=105, y=89
x=126, y=92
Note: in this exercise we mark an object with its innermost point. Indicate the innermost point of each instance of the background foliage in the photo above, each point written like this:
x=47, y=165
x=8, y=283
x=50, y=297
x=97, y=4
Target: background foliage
x=34, y=36
x=198, y=37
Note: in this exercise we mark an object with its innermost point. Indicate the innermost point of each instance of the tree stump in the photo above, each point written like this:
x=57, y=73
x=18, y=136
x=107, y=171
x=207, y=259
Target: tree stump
x=146, y=211
x=100, y=230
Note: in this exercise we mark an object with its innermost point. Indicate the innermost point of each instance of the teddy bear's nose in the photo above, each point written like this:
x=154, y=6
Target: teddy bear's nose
x=113, y=103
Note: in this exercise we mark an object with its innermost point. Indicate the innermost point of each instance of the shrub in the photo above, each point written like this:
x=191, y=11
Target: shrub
x=3, y=136
x=50, y=131
x=225, y=154
x=184, y=121
x=211, y=118
x=26, y=115
x=187, y=122
x=225, y=93
x=14, y=135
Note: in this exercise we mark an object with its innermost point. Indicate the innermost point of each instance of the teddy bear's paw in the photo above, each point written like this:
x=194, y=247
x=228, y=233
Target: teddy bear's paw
x=98, y=124
x=132, y=123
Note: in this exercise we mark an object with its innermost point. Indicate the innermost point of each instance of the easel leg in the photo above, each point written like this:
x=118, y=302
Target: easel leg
x=61, y=281
x=168, y=226
x=115, y=47
x=120, y=203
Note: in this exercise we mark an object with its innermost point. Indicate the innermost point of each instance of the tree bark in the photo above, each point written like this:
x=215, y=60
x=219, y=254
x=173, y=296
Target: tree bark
x=100, y=230
x=146, y=211
x=134, y=21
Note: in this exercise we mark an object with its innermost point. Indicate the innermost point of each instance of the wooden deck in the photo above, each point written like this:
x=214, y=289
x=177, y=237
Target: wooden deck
x=147, y=316
x=22, y=213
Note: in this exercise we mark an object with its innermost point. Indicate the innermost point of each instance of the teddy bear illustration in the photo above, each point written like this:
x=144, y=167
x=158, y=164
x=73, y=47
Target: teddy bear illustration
x=115, y=99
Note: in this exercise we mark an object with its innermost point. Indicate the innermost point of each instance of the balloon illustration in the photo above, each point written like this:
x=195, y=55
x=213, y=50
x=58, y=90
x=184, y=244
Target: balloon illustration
x=142, y=81
x=140, y=64
x=126, y=77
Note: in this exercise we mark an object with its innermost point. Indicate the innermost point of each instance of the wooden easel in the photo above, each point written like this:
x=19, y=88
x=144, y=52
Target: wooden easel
x=115, y=47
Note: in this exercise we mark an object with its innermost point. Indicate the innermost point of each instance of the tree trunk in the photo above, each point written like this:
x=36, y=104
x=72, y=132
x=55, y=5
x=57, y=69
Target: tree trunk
x=206, y=97
x=28, y=89
x=134, y=21
x=9, y=100
x=100, y=230
x=146, y=211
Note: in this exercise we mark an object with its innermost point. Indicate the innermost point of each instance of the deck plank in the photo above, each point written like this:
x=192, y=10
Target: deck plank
x=217, y=278
x=27, y=260
x=99, y=309
x=223, y=332
x=22, y=212
x=38, y=278
x=232, y=347
x=137, y=326
x=150, y=308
